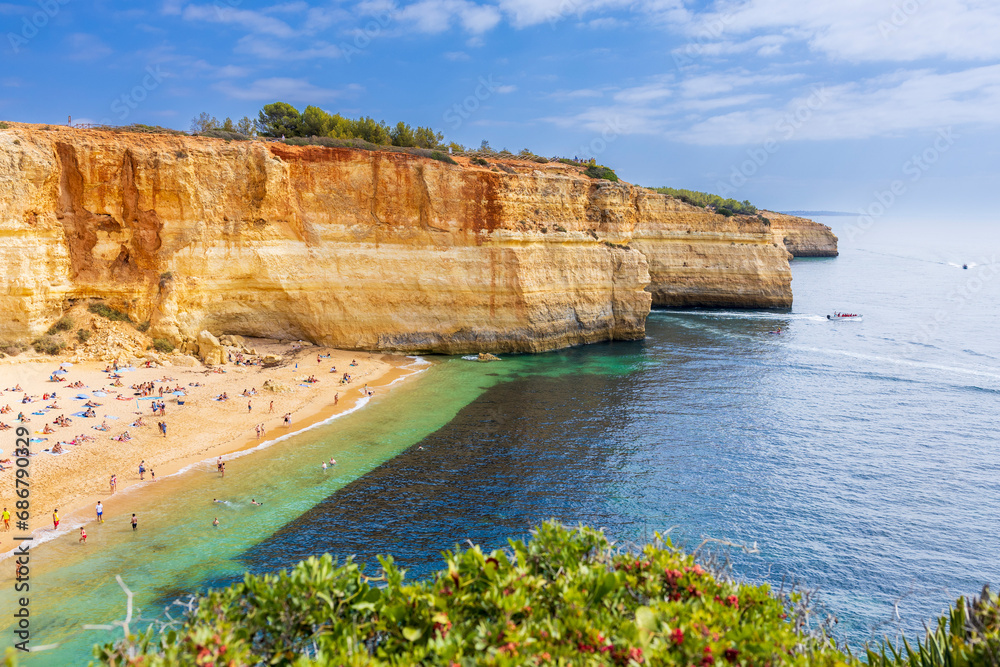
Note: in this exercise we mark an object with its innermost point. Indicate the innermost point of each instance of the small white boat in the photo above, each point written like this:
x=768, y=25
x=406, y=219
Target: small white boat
x=839, y=317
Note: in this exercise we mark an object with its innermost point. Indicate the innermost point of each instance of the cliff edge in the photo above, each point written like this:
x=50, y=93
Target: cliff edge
x=352, y=248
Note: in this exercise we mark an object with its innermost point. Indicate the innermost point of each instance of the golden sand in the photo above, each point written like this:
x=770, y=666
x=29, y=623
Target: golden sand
x=200, y=428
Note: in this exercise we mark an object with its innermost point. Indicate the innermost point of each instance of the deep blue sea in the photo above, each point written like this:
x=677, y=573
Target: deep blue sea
x=862, y=458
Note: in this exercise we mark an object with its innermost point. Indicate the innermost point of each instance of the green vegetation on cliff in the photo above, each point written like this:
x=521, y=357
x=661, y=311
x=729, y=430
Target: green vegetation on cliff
x=566, y=597
x=726, y=207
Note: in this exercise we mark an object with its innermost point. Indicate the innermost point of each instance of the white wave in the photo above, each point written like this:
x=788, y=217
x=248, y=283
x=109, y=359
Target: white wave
x=993, y=373
x=737, y=315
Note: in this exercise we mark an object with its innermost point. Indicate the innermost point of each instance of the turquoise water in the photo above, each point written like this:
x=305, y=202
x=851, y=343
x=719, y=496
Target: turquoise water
x=860, y=457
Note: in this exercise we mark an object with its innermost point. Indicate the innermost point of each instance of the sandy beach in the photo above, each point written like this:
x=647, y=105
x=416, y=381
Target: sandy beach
x=198, y=425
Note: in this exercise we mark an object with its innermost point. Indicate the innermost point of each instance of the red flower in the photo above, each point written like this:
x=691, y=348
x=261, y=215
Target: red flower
x=677, y=635
x=731, y=654
x=708, y=658
x=733, y=601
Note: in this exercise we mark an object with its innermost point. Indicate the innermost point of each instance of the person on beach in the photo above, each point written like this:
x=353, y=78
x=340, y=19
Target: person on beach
x=288, y=419
x=6, y=519
x=114, y=484
x=223, y=469
x=142, y=469
x=55, y=519
x=215, y=521
x=100, y=512
x=257, y=430
x=83, y=535
x=271, y=409
x=218, y=464
x=135, y=522
x=163, y=427
x=336, y=398
x=249, y=407
x=152, y=475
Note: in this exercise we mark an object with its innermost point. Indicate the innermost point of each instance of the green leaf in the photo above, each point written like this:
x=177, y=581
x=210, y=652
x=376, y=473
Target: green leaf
x=411, y=634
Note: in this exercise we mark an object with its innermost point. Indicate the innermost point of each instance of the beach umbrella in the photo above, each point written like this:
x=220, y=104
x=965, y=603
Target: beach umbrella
x=179, y=393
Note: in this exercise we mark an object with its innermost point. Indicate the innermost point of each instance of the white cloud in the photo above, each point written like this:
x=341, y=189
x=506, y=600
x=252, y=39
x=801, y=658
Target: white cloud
x=254, y=21
x=268, y=50
x=436, y=16
x=862, y=30
x=456, y=56
x=889, y=105
x=284, y=89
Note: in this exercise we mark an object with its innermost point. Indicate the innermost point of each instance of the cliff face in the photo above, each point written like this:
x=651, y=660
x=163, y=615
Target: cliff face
x=802, y=237
x=372, y=250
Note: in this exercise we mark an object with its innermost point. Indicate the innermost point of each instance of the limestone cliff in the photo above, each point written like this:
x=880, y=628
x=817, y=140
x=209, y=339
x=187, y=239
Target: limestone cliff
x=356, y=249
x=802, y=237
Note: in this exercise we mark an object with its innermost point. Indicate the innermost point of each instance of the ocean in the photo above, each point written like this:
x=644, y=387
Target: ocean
x=857, y=458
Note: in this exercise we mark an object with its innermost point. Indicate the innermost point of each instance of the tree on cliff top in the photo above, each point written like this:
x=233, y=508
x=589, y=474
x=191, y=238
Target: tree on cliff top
x=279, y=119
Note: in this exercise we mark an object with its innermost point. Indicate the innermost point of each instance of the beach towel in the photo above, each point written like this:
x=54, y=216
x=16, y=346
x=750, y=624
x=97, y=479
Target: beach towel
x=81, y=397
x=100, y=394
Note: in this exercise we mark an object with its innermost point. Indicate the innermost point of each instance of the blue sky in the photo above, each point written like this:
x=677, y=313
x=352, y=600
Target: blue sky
x=788, y=103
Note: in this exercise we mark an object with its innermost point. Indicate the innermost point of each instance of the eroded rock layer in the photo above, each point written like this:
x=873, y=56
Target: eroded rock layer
x=356, y=249
x=802, y=237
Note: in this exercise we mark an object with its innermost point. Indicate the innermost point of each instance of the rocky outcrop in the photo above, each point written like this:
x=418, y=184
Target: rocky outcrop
x=210, y=350
x=802, y=237
x=355, y=249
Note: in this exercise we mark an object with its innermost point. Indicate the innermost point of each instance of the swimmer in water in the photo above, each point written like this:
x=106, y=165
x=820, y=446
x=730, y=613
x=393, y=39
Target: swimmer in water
x=215, y=522
x=83, y=535
x=324, y=466
x=216, y=500
x=333, y=461
x=254, y=502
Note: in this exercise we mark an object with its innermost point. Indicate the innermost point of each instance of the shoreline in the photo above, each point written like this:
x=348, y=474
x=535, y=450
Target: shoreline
x=228, y=436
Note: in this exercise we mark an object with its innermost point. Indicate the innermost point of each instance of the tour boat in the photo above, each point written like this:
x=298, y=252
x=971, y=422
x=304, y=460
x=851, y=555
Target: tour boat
x=837, y=317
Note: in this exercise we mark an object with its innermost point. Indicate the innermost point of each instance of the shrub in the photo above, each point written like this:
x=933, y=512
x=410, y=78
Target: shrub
x=144, y=327
x=480, y=161
x=223, y=134
x=17, y=142
x=180, y=155
x=13, y=349
x=65, y=323
x=48, y=345
x=109, y=313
x=507, y=168
x=540, y=160
x=565, y=597
x=4, y=126
x=83, y=335
x=566, y=160
x=163, y=345
x=599, y=171
x=442, y=157
x=706, y=199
